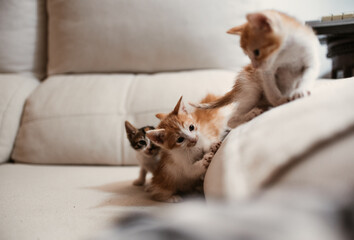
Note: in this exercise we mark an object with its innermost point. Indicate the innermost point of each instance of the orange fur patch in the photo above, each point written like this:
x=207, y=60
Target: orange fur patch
x=265, y=41
x=171, y=123
x=209, y=120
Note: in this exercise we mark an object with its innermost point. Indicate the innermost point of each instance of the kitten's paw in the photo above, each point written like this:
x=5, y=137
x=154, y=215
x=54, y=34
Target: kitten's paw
x=299, y=94
x=139, y=182
x=174, y=199
x=234, y=122
x=281, y=101
x=214, y=148
x=255, y=112
x=207, y=159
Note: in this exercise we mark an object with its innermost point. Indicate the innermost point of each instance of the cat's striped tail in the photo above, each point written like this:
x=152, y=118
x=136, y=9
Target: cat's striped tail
x=220, y=102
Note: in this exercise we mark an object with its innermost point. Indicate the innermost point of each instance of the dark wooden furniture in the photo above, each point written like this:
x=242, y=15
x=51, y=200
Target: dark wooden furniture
x=339, y=37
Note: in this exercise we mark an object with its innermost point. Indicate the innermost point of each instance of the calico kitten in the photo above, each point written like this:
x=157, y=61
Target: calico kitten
x=146, y=151
x=188, y=141
x=285, y=64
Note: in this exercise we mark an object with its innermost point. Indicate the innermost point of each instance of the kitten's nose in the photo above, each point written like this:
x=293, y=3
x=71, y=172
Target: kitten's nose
x=192, y=142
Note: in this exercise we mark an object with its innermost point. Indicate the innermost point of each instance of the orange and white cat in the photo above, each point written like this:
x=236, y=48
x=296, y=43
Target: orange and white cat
x=285, y=64
x=188, y=141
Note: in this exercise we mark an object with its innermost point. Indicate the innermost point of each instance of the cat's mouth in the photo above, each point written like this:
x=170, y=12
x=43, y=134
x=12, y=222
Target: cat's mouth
x=256, y=64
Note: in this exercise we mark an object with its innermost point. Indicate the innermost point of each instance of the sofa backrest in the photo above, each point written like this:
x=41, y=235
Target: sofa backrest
x=23, y=37
x=144, y=36
x=132, y=35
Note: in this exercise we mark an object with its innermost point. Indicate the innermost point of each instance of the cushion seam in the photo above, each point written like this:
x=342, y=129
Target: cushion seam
x=8, y=106
x=122, y=132
x=11, y=99
x=67, y=116
x=86, y=115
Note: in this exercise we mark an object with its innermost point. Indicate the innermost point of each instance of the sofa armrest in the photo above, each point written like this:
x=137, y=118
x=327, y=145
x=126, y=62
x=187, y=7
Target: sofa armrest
x=254, y=155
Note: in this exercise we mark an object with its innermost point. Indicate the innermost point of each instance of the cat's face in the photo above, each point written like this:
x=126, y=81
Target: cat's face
x=139, y=141
x=258, y=39
x=176, y=129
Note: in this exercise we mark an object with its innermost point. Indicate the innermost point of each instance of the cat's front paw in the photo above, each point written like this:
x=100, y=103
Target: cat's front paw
x=282, y=101
x=207, y=159
x=174, y=199
x=255, y=112
x=139, y=182
x=233, y=122
x=299, y=94
x=215, y=147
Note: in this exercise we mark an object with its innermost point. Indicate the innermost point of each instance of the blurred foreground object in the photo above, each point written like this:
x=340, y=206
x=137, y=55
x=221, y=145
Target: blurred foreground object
x=283, y=215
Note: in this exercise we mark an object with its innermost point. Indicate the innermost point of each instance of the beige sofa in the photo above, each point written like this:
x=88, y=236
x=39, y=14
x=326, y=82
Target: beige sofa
x=71, y=73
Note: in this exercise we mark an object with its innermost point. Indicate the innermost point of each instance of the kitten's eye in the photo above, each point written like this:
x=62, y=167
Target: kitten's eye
x=256, y=52
x=142, y=142
x=191, y=127
x=180, y=139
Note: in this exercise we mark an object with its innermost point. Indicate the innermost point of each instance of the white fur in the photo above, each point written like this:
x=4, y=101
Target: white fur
x=299, y=51
x=148, y=163
x=287, y=74
x=185, y=157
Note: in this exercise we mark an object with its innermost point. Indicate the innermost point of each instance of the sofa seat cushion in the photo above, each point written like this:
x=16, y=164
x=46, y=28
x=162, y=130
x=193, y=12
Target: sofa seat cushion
x=79, y=119
x=256, y=153
x=14, y=90
x=69, y=202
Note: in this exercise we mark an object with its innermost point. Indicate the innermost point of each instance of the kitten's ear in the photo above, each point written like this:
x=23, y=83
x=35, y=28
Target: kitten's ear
x=161, y=115
x=237, y=30
x=156, y=136
x=180, y=107
x=129, y=128
x=260, y=21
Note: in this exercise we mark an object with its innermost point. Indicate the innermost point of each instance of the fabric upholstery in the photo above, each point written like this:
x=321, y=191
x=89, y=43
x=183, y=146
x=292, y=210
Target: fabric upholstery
x=77, y=202
x=257, y=151
x=144, y=36
x=14, y=91
x=71, y=202
x=79, y=119
x=23, y=37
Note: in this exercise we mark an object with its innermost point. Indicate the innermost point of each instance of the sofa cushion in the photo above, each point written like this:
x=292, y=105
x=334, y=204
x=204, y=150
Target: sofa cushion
x=254, y=154
x=79, y=119
x=144, y=36
x=66, y=202
x=14, y=90
x=23, y=37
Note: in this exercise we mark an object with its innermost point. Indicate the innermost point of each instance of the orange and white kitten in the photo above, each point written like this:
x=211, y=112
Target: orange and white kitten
x=188, y=141
x=285, y=64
